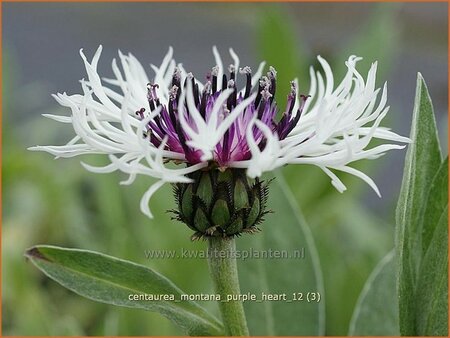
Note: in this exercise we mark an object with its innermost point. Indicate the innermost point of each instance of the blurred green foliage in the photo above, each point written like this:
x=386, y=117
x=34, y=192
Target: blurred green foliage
x=59, y=203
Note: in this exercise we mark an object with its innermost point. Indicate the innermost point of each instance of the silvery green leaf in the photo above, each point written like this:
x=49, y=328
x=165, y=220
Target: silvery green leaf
x=422, y=162
x=437, y=201
x=432, y=288
x=111, y=280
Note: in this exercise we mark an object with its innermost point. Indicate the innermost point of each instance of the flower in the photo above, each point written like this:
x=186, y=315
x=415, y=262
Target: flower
x=214, y=125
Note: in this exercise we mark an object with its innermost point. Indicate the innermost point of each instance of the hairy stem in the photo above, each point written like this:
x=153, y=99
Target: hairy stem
x=223, y=269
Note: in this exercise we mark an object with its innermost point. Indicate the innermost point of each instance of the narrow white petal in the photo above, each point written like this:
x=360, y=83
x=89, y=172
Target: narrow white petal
x=218, y=105
x=335, y=181
x=220, y=65
x=235, y=58
x=362, y=176
x=58, y=118
x=146, y=198
x=328, y=75
x=130, y=180
x=195, y=114
x=100, y=170
x=257, y=75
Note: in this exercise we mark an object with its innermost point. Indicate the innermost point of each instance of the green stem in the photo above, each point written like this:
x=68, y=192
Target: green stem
x=223, y=268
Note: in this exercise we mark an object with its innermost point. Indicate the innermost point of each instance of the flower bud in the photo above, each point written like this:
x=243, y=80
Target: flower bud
x=221, y=203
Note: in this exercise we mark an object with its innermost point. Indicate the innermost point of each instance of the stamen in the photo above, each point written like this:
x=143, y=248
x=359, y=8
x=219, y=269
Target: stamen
x=294, y=121
x=176, y=78
x=291, y=103
x=189, y=76
x=246, y=70
x=272, y=73
x=264, y=82
x=231, y=101
x=291, y=98
x=157, y=119
x=258, y=95
x=182, y=138
x=172, y=110
x=266, y=94
x=214, y=73
x=272, y=90
x=264, y=85
x=261, y=108
x=224, y=82
x=304, y=97
x=173, y=92
x=196, y=94
x=207, y=87
x=140, y=113
x=206, y=91
x=155, y=97
x=154, y=140
x=293, y=89
x=281, y=126
x=248, y=86
x=150, y=97
x=232, y=70
x=151, y=91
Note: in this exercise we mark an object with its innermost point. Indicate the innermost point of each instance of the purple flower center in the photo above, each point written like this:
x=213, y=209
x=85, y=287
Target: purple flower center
x=233, y=146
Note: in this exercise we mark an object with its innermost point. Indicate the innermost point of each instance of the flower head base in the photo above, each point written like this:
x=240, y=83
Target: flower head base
x=213, y=125
x=221, y=203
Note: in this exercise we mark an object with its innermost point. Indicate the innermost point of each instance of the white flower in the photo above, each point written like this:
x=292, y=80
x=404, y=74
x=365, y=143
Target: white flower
x=141, y=125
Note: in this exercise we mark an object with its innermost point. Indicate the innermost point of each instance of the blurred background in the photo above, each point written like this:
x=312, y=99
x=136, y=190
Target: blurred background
x=59, y=203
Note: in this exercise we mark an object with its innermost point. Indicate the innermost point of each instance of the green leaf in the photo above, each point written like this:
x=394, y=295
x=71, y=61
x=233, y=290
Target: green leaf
x=422, y=162
x=432, y=289
x=437, y=201
x=285, y=232
x=376, y=312
x=111, y=280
